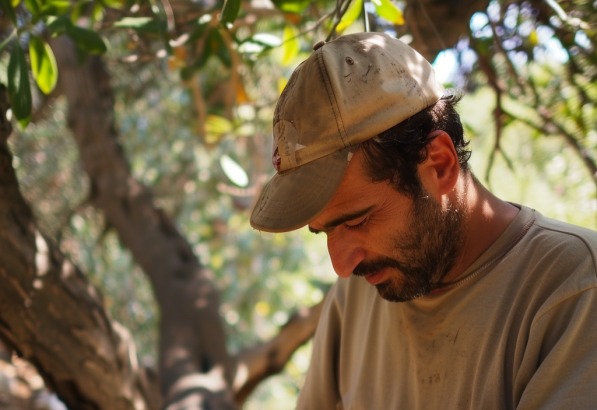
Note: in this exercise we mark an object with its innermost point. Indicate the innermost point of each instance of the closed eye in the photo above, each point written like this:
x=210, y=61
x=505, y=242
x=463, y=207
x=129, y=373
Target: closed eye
x=359, y=225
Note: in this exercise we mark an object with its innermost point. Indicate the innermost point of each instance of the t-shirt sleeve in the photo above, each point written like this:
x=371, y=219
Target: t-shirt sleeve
x=559, y=368
x=320, y=391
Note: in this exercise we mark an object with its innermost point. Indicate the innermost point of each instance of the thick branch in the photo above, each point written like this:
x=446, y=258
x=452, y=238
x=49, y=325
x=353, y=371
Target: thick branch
x=256, y=364
x=194, y=365
x=53, y=317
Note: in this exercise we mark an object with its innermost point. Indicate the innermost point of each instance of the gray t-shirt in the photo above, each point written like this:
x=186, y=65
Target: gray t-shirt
x=517, y=330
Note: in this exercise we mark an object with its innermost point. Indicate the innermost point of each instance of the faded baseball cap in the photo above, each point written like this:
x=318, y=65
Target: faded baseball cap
x=348, y=91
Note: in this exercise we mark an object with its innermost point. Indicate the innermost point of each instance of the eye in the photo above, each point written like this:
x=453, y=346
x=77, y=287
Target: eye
x=359, y=225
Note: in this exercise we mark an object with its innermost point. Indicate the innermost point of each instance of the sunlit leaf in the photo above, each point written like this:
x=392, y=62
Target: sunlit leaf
x=262, y=308
x=58, y=25
x=97, y=13
x=281, y=84
x=215, y=124
x=292, y=6
x=33, y=7
x=533, y=38
x=290, y=44
x=87, y=40
x=233, y=171
x=54, y=8
x=353, y=12
x=142, y=24
x=43, y=64
x=388, y=10
x=8, y=8
x=15, y=3
x=230, y=11
x=115, y=4
x=19, y=89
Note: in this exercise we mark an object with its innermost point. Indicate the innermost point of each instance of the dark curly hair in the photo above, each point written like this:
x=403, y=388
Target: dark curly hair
x=395, y=153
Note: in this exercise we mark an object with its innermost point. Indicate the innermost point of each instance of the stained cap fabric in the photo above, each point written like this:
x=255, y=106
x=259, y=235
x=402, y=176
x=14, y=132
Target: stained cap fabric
x=349, y=90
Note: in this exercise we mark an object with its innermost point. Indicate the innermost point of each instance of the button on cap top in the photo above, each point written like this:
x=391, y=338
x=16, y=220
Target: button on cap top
x=318, y=45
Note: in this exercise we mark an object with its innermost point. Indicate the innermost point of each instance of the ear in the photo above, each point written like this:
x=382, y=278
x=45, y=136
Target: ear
x=439, y=172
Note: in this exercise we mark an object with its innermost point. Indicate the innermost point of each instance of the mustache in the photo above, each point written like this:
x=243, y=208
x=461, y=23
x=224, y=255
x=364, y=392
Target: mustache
x=370, y=267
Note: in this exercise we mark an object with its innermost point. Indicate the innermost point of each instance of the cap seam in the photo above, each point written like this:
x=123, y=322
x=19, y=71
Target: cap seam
x=332, y=98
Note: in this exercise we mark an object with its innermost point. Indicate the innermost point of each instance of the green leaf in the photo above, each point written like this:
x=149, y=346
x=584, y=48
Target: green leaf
x=115, y=4
x=216, y=44
x=55, y=8
x=186, y=73
x=292, y=6
x=87, y=40
x=233, y=171
x=388, y=10
x=230, y=11
x=19, y=89
x=15, y=3
x=142, y=24
x=215, y=124
x=353, y=12
x=197, y=32
x=97, y=13
x=290, y=44
x=9, y=10
x=33, y=7
x=58, y=25
x=43, y=64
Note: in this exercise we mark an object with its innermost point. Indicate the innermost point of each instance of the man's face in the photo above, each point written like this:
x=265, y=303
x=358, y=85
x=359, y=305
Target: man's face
x=403, y=247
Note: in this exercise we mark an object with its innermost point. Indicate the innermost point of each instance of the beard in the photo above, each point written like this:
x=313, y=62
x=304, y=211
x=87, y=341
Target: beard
x=428, y=250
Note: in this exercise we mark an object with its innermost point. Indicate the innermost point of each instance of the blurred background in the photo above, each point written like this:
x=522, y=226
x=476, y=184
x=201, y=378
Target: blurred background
x=188, y=90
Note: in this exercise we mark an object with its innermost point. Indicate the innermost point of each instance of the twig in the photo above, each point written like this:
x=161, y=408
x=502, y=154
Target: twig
x=498, y=112
x=340, y=11
x=511, y=69
x=169, y=15
x=256, y=364
x=572, y=141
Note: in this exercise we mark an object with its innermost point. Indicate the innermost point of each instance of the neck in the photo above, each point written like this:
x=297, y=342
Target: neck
x=486, y=218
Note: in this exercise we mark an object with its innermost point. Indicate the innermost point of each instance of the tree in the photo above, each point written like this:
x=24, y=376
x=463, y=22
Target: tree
x=195, y=366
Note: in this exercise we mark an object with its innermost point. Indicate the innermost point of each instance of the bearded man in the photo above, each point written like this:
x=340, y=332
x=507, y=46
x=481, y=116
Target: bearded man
x=449, y=297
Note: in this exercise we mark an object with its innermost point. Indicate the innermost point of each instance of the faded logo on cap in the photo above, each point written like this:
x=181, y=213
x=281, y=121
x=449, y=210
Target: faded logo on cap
x=276, y=160
x=285, y=146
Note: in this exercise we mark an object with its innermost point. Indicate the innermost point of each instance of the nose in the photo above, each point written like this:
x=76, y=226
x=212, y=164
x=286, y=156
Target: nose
x=345, y=253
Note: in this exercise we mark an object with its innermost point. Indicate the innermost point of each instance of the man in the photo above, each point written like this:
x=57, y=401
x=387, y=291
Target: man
x=449, y=297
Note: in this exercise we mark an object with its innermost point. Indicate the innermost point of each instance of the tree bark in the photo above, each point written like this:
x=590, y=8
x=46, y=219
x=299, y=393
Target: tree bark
x=194, y=365
x=53, y=317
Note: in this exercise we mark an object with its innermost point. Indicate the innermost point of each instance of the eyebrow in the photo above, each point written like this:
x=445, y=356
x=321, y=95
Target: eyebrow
x=341, y=219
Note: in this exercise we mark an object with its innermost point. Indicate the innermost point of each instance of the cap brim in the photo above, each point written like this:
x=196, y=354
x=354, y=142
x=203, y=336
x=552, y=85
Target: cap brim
x=294, y=198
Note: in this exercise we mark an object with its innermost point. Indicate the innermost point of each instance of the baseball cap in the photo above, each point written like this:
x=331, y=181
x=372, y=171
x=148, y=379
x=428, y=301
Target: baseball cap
x=348, y=91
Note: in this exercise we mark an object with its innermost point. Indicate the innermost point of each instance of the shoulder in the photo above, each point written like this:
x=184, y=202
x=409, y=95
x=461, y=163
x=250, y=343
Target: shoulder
x=562, y=245
x=560, y=259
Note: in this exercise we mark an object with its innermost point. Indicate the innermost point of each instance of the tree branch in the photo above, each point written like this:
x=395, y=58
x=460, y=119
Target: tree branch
x=195, y=367
x=258, y=363
x=53, y=317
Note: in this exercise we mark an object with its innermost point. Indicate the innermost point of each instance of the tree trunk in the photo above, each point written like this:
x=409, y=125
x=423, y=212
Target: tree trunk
x=53, y=317
x=194, y=364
